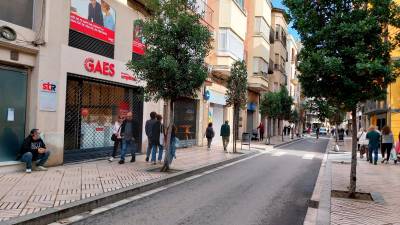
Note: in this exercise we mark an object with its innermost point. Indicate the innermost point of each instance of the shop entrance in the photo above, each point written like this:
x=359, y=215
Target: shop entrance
x=92, y=107
x=13, y=88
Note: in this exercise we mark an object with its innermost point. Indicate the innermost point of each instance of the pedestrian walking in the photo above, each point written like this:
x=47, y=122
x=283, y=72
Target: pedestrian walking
x=116, y=137
x=363, y=143
x=225, y=134
x=148, y=128
x=172, y=146
x=387, y=143
x=261, y=128
x=373, y=144
x=317, y=132
x=129, y=135
x=156, y=133
x=209, y=135
x=162, y=139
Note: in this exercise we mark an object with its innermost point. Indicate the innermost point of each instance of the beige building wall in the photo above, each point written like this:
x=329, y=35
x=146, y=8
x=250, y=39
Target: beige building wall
x=54, y=59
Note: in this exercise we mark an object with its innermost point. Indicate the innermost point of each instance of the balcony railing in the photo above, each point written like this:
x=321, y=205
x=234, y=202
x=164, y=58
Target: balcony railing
x=205, y=11
x=260, y=67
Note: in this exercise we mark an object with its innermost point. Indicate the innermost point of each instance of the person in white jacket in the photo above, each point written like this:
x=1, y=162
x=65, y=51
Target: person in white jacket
x=362, y=142
x=117, y=134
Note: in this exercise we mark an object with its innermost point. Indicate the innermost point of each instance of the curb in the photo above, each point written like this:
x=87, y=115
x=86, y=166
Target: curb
x=319, y=209
x=50, y=215
x=286, y=143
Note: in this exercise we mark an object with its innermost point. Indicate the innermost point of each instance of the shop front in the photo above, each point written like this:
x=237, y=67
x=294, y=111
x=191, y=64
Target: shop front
x=13, y=102
x=216, y=110
x=98, y=91
x=185, y=119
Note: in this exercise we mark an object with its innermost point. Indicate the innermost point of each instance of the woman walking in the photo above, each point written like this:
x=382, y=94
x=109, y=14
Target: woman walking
x=363, y=143
x=387, y=143
x=116, y=137
x=162, y=138
x=209, y=135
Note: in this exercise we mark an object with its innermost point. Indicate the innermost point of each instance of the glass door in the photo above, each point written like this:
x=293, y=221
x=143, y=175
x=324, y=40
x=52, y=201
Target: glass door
x=13, y=87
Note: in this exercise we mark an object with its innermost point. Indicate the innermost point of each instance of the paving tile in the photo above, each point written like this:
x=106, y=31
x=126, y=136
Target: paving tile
x=22, y=194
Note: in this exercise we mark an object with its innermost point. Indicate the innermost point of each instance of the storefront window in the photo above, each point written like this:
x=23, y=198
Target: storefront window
x=91, y=110
x=185, y=118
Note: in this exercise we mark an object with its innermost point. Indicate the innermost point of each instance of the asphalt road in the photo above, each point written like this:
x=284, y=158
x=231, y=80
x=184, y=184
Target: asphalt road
x=271, y=189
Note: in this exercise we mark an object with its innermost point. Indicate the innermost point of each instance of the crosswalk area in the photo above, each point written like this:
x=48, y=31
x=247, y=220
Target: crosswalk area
x=292, y=152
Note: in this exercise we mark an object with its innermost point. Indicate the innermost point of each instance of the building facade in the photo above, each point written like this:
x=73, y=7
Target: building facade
x=66, y=75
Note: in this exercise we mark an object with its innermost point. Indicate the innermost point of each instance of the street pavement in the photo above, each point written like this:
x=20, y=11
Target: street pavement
x=272, y=188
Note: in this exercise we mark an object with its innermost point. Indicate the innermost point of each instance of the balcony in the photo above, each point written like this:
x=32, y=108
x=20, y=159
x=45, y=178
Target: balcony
x=206, y=13
x=376, y=107
x=233, y=16
x=258, y=83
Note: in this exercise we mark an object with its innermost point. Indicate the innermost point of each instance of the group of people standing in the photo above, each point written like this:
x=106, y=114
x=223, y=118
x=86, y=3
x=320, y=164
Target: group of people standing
x=371, y=141
x=126, y=135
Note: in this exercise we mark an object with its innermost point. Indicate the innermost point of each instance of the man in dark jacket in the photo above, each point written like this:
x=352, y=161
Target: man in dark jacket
x=148, y=129
x=130, y=137
x=34, y=149
x=94, y=13
x=155, y=138
x=225, y=133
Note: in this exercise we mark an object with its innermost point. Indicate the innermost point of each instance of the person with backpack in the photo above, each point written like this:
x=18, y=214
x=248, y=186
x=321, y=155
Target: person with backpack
x=209, y=135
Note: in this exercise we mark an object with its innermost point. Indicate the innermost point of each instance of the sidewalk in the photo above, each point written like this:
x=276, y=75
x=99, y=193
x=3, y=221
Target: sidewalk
x=22, y=194
x=381, y=180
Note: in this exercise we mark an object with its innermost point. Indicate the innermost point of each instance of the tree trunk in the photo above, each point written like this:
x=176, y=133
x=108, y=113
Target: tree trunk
x=235, y=126
x=168, y=150
x=269, y=130
x=353, y=170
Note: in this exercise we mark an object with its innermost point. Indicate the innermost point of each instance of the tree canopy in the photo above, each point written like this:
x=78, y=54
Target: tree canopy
x=345, y=57
x=176, y=45
x=237, y=85
x=277, y=105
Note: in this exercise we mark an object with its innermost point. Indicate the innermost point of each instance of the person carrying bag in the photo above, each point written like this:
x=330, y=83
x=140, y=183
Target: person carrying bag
x=116, y=137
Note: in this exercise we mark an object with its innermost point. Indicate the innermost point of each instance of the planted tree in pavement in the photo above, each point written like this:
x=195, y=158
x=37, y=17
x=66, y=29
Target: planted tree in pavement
x=173, y=64
x=237, y=94
x=345, y=57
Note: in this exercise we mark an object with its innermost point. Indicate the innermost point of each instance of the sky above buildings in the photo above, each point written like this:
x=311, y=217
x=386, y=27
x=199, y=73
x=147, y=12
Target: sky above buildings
x=278, y=4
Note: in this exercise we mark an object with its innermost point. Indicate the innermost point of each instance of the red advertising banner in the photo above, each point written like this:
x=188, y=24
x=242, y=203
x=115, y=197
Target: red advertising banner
x=138, y=46
x=94, y=18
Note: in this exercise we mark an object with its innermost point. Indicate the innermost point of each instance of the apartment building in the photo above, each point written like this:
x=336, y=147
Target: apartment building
x=65, y=74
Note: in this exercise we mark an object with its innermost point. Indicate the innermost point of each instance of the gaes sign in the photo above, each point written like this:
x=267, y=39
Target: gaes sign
x=98, y=66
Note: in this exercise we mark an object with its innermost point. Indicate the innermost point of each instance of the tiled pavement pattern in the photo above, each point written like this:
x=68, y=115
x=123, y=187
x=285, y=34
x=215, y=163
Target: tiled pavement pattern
x=382, y=178
x=22, y=194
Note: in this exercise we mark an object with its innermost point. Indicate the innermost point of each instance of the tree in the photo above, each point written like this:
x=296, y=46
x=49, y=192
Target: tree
x=345, y=57
x=237, y=94
x=276, y=105
x=270, y=106
x=173, y=64
x=286, y=103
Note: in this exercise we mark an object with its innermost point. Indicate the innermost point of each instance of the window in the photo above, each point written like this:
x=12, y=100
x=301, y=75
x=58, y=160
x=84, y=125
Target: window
x=260, y=65
x=19, y=12
x=261, y=27
x=240, y=3
x=276, y=65
x=230, y=42
x=277, y=31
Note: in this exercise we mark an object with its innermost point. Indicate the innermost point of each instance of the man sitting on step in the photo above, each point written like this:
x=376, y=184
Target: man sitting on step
x=34, y=149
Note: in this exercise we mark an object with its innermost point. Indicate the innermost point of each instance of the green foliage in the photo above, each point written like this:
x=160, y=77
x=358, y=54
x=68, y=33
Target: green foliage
x=345, y=57
x=294, y=116
x=176, y=45
x=237, y=85
x=277, y=105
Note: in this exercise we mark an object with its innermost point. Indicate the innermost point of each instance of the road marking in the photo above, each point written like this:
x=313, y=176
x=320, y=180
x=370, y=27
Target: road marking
x=308, y=156
x=104, y=208
x=279, y=153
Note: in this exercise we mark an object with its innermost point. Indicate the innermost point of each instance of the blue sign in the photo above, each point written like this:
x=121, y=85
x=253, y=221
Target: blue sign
x=207, y=95
x=251, y=106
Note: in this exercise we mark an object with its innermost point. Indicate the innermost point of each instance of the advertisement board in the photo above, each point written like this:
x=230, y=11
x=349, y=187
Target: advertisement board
x=138, y=46
x=94, y=18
